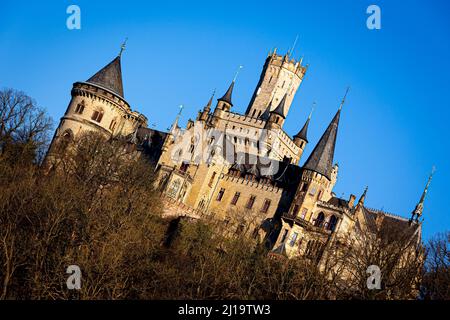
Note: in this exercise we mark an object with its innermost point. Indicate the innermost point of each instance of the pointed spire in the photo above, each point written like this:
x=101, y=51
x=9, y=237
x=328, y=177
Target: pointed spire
x=175, y=123
x=209, y=104
x=345, y=97
x=417, y=213
x=227, y=96
x=363, y=197
x=109, y=77
x=321, y=158
x=281, y=106
x=303, y=133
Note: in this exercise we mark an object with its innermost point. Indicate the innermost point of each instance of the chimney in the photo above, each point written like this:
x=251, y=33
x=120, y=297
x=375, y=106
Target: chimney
x=351, y=201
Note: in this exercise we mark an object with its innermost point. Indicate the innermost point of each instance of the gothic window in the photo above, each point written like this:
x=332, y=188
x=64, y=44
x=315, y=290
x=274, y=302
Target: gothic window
x=97, y=115
x=235, y=198
x=251, y=202
x=173, y=190
x=253, y=114
x=319, y=195
x=220, y=194
x=259, y=113
x=332, y=223
x=319, y=220
x=80, y=108
x=293, y=239
x=313, y=191
x=304, y=212
x=266, y=206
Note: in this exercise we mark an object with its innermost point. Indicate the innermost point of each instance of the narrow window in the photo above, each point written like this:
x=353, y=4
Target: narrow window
x=80, y=108
x=296, y=210
x=211, y=181
x=266, y=206
x=332, y=223
x=220, y=194
x=304, y=212
x=112, y=125
x=251, y=202
x=235, y=198
x=293, y=239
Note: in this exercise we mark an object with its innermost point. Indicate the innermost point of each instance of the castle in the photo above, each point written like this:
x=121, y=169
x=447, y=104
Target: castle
x=240, y=169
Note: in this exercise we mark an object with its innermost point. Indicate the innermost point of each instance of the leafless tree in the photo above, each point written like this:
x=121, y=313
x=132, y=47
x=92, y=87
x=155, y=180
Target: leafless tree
x=24, y=127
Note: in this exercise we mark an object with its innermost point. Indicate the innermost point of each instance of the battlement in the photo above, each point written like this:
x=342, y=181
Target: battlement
x=286, y=62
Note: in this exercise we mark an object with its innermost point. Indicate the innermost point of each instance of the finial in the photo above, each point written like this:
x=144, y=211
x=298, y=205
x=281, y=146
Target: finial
x=293, y=46
x=345, y=97
x=122, y=47
x=181, y=109
x=237, y=73
x=312, y=110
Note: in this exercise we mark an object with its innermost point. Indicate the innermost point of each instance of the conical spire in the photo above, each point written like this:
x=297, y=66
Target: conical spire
x=417, y=213
x=303, y=133
x=227, y=96
x=110, y=77
x=209, y=104
x=321, y=158
x=280, y=109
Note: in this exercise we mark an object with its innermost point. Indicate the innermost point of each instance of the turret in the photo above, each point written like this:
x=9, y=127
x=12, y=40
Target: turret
x=277, y=116
x=301, y=138
x=225, y=103
x=318, y=172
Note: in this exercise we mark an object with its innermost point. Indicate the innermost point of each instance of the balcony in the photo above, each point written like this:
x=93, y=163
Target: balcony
x=321, y=227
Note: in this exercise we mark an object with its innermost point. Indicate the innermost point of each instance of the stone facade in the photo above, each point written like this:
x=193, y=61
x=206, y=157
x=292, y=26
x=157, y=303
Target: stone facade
x=241, y=169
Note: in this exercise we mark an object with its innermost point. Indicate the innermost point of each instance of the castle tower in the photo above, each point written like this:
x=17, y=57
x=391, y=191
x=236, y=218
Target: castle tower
x=98, y=105
x=319, y=174
x=281, y=75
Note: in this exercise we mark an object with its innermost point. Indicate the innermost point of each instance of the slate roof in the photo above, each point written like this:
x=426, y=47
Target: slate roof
x=321, y=158
x=109, y=77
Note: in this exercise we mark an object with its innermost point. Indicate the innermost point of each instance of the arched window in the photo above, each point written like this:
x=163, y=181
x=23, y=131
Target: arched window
x=332, y=223
x=319, y=220
x=112, y=125
x=97, y=115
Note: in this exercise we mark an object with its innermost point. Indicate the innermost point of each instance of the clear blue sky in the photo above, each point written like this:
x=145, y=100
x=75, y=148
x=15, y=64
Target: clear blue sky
x=394, y=126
